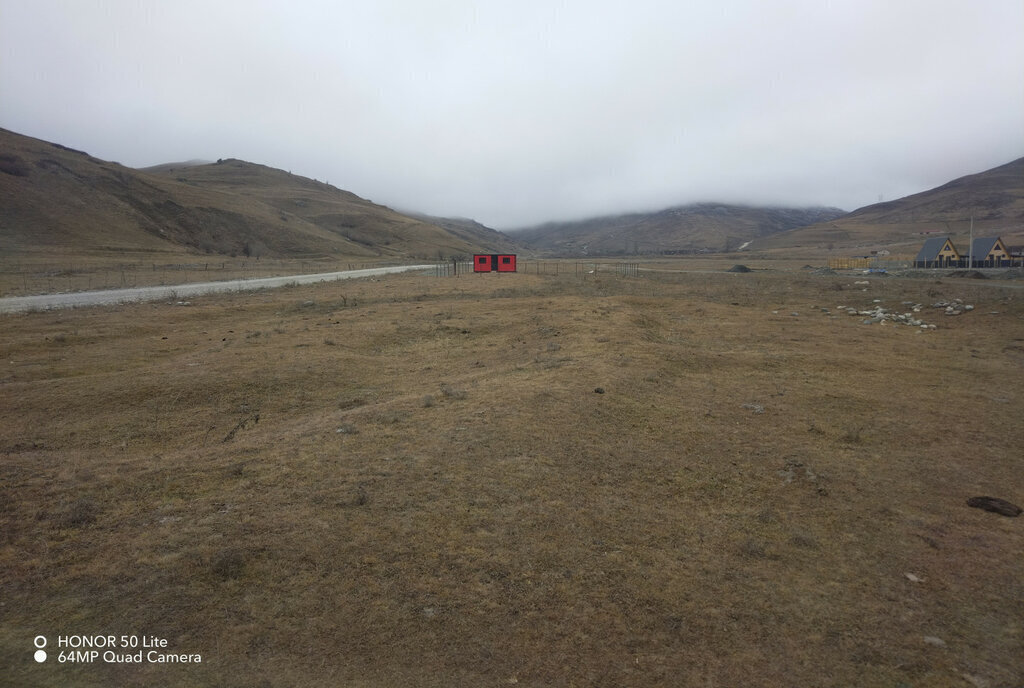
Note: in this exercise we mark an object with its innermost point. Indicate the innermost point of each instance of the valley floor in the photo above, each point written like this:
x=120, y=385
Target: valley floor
x=678, y=478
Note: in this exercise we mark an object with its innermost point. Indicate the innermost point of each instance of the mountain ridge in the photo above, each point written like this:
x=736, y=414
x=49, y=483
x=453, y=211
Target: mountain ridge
x=692, y=228
x=990, y=202
x=59, y=199
x=56, y=198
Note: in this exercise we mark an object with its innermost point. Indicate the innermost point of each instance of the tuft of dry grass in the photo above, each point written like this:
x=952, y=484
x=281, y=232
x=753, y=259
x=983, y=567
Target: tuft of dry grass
x=487, y=518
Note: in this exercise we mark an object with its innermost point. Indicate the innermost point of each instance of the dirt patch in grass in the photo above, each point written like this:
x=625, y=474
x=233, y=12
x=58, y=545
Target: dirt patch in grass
x=411, y=481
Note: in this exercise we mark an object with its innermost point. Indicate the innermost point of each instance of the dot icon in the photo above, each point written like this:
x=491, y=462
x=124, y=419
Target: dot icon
x=40, y=656
x=40, y=641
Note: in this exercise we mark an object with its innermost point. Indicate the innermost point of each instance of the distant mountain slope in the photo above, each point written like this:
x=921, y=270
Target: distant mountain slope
x=994, y=198
x=489, y=240
x=699, y=227
x=996, y=194
x=344, y=214
x=57, y=198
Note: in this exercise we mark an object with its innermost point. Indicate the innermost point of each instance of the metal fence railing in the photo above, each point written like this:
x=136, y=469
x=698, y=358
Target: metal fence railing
x=580, y=269
x=24, y=279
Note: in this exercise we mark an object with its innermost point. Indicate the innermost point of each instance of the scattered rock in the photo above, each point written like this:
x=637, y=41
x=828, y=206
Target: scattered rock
x=932, y=640
x=824, y=271
x=968, y=274
x=913, y=579
x=756, y=408
x=878, y=314
x=738, y=268
x=995, y=505
x=599, y=390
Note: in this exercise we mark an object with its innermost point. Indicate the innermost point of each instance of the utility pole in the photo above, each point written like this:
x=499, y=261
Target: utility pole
x=970, y=251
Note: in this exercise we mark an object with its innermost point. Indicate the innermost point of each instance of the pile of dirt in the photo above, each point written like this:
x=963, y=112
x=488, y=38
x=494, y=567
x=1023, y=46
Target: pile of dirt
x=738, y=268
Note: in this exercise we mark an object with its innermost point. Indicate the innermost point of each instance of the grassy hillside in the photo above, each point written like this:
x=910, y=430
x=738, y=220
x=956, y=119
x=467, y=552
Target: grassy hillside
x=59, y=200
x=994, y=198
x=535, y=480
x=371, y=227
x=489, y=240
x=686, y=229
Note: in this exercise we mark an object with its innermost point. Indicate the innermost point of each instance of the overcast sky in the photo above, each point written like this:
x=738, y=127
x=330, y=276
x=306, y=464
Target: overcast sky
x=514, y=112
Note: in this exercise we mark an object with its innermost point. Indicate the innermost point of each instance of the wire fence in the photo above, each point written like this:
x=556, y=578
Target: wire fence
x=579, y=269
x=881, y=262
x=453, y=268
x=20, y=279
x=624, y=269
x=907, y=262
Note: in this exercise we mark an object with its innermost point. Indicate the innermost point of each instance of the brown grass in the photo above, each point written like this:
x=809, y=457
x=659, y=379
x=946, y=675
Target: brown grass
x=411, y=481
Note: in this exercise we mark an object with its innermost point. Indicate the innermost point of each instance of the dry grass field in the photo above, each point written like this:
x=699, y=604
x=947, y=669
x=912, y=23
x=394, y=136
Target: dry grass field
x=677, y=479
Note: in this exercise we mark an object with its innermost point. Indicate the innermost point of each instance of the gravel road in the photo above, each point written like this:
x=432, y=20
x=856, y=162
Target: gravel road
x=106, y=297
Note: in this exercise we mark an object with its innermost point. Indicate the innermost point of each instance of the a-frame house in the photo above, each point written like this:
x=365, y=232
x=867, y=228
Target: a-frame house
x=989, y=252
x=937, y=252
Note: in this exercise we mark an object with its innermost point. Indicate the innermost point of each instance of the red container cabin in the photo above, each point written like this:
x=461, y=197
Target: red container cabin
x=496, y=262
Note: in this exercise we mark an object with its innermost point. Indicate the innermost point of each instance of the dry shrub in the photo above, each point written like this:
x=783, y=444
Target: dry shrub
x=80, y=512
x=14, y=166
x=450, y=392
x=228, y=564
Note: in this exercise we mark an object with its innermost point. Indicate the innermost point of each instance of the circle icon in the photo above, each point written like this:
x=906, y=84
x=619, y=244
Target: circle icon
x=40, y=656
x=40, y=641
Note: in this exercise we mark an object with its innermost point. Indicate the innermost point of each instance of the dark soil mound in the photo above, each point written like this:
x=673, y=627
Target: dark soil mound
x=995, y=505
x=738, y=268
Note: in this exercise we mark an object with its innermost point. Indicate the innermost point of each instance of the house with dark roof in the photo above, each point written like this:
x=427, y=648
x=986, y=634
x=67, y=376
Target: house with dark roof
x=989, y=252
x=937, y=252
